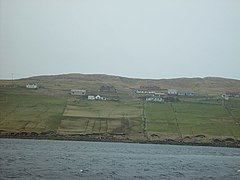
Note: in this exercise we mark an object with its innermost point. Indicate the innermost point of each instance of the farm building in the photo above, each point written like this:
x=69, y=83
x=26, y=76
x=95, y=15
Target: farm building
x=232, y=94
x=185, y=93
x=155, y=99
x=78, y=92
x=149, y=88
x=31, y=86
x=172, y=92
x=107, y=89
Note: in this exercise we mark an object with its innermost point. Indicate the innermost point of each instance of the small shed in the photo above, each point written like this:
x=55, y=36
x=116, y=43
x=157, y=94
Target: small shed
x=155, y=99
x=91, y=98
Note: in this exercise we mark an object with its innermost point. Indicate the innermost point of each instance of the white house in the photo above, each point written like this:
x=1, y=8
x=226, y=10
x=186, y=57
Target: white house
x=172, y=92
x=31, y=86
x=78, y=92
x=145, y=92
x=98, y=97
x=225, y=97
x=91, y=98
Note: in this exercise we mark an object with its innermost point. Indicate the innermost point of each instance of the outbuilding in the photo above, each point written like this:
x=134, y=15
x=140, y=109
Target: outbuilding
x=78, y=92
x=91, y=98
x=155, y=99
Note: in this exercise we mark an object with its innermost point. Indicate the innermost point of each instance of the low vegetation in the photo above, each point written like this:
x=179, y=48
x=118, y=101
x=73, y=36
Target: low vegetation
x=86, y=117
x=187, y=119
x=191, y=119
x=30, y=113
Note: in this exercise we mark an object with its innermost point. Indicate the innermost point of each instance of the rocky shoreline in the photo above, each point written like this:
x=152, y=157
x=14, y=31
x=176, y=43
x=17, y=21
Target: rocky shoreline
x=227, y=142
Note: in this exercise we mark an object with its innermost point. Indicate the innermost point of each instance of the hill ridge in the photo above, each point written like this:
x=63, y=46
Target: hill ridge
x=206, y=85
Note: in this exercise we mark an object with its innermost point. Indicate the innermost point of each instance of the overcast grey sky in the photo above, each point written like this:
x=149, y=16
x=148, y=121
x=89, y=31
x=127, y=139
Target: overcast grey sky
x=133, y=38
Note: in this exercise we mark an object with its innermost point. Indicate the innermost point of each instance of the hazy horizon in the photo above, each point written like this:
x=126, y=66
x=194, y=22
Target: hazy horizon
x=136, y=39
x=182, y=77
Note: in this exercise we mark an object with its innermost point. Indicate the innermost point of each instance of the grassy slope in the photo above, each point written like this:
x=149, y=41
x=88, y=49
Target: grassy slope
x=50, y=108
x=207, y=119
x=161, y=120
x=30, y=113
x=86, y=117
x=192, y=119
x=62, y=83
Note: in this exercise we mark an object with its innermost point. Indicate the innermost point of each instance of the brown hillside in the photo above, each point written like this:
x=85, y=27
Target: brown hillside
x=59, y=84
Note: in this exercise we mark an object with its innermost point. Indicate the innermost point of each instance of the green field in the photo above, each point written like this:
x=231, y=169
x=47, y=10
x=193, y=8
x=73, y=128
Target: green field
x=161, y=120
x=30, y=113
x=193, y=119
x=73, y=116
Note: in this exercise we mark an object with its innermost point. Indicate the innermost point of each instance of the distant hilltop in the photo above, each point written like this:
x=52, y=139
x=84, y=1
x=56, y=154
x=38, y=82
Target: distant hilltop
x=64, y=82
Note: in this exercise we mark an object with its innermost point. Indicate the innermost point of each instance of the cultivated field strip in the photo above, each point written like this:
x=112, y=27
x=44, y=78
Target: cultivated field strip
x=99, y=117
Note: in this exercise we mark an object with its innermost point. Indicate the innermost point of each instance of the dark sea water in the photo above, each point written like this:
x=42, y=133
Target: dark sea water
x=49, y=159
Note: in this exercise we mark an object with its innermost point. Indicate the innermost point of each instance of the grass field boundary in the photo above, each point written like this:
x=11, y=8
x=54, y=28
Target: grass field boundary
x=231, y=114
x=144, y=117
x=176, y=119
x=106, y=126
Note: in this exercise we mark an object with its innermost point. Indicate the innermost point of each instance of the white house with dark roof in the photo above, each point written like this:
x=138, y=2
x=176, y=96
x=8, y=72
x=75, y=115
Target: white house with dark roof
x=98, y=97
x=31, y=85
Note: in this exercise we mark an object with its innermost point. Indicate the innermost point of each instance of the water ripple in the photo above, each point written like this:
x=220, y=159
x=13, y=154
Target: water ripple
x=43, y=159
